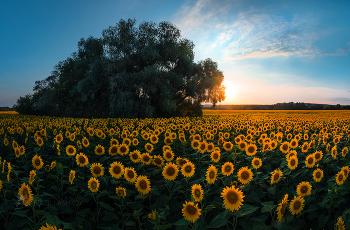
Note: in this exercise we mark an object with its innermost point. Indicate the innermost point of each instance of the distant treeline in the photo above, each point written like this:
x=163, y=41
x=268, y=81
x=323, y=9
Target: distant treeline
x=280, y=106
x=5, y=109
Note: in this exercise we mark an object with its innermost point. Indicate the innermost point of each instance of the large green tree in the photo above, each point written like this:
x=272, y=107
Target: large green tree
x=132, y=71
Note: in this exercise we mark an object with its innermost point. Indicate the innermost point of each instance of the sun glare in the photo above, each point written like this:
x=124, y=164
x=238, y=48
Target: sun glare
x=230, y=90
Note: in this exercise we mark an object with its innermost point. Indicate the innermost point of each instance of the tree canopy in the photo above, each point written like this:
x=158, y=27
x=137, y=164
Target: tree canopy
x=133, y=72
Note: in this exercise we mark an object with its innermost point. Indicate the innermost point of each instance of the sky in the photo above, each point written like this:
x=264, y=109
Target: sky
x=269, y=51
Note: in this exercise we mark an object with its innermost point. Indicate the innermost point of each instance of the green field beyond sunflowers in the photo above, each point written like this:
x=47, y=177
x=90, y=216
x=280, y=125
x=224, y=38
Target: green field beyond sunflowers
x=228, y=169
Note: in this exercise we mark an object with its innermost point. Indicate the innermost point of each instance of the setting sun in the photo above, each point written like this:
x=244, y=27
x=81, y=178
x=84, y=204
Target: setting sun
x=230, y=91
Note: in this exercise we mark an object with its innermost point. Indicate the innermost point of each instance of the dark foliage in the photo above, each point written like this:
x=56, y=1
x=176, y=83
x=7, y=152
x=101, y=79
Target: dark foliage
x=134, y=72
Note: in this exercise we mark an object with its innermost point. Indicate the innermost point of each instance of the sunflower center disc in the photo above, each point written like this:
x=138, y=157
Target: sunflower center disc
x=143, y=185
x=296, y=205
x=211, y=175
x=131, y=174
x=188, y=169
x=197, y=193
x=93, y=185
x=116, y=170
x=37, y=162
x=228, y=169
x=97, y=170
x=191, y=210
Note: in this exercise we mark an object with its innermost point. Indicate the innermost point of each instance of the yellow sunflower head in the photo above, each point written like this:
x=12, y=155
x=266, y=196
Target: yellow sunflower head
x=228, y=145
x=146, y=158
x=211, y=174
x=99, y=150
x=197, y=192
x=256, y=163
x=276, y=176
x=93, y=184
x=143, y=185
x=281, y=209
x=170, y=171
x=130, y=174
x=70, y=150
x=188, y=169
x=123, y=149
x=135, y=156
x=113, y=150
x=121, y=192
x=317, y=175
x=97, y=170
x=304, y=188
x=227, y=168
x=215, y=156
x=340, y=178
x=284, y=148
x=233, y=198
x=168, y=155
x=310, y=161
x=37, y=162
x=25, y=194
x=296, y=205
x=158, y=161
x=71, y=176
x=190, y=211
x=82, y=160
x=292, y=162
x=245, y=175
x=116, y=170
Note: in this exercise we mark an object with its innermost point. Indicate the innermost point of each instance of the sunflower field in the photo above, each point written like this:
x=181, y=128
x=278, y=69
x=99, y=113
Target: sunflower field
x=225, y=170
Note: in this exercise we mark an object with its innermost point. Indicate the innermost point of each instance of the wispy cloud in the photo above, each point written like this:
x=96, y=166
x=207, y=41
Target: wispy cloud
x=253, y=33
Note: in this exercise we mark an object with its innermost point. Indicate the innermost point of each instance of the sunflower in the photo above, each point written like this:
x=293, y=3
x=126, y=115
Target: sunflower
x=170, y=171
x=37, y=162
x=53, y=164
x=152, y=215
x=251, y=149
x=123, y=149
x=296, y=205
x=195, y=143
x=180, y=161
x=227, y=168
x=215, y=156
x=233, y=198
x=71, y=176
x=99, y=150
x=168, y=155
x=228, y=145
x=135, y=141
x=276, y=176
x=197, y=192
x=340, y=178
x=310, y=161
x=245, y=175
x=305, y=147
x=97, y=170
x=210, y=147
x=292, y=162
x=153, y=139
x=284, y=148
x=146, y=158
x=70, y=150
x=149, y=147
x=318, y=155
x=32, y=175
x=345, y=169
x=211, y=174
x=273, y=144
x=113, y=150
x=237, y=140
x=126, y=141
x=202, y=147
x=143, y=185
x=340, y=224
x=256, y=163
x=304, y=188
x=344, y=152
x=293, y=143
x=188, y=169
x=281, y=209
x=82, y=160
x=242, y=145
x=334, y=152
x=191, y=212
x=93, y=184
x=25, y=194
x=168, y=141
x=158, y=161
x=6, y=142
x=130, y=174
x=39, y=141
x=121, y=192
x=59, y=138
x=116, y=169
x=317, y=175
x=135, y=156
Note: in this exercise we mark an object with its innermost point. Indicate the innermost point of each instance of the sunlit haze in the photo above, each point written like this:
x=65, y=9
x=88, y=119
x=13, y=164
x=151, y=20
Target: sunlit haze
x=268, y=51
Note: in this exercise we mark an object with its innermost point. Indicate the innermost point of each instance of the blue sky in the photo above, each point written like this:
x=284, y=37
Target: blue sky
x=269, y=51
